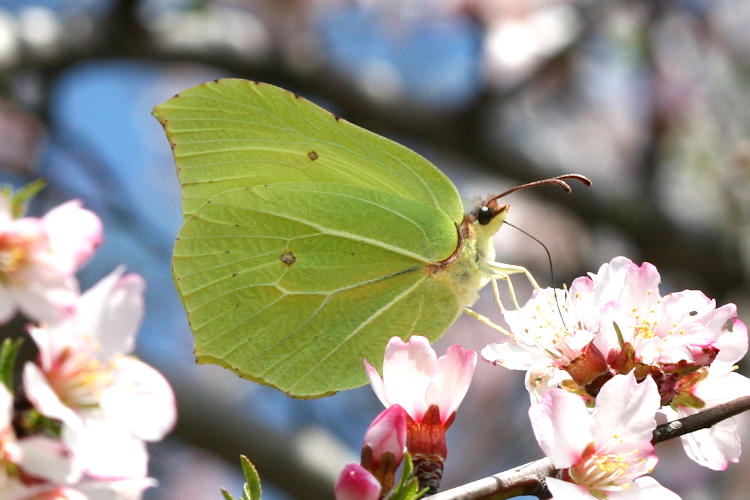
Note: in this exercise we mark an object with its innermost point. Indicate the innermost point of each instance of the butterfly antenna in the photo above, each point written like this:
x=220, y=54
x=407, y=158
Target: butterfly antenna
x=557, y=181
x=551, y=267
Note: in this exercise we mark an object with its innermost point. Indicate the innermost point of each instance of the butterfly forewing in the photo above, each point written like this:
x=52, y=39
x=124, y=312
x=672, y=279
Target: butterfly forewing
x=235, y=133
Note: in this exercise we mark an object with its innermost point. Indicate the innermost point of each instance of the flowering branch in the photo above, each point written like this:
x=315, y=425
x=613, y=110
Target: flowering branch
x=529, y=479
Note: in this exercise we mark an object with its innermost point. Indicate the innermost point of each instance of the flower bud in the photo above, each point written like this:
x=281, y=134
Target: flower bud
x=384, y=443
x=387, y=433
x=356, y=483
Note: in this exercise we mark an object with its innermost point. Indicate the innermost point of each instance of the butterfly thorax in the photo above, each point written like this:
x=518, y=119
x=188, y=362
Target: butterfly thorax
x=469, y=271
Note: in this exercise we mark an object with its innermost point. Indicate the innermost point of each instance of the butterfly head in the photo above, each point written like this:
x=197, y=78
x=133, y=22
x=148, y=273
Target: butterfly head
x=488, y=216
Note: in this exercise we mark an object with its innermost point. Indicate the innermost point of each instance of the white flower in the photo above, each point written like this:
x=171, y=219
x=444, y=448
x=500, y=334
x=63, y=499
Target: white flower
x=39, y=258
x=109, y=402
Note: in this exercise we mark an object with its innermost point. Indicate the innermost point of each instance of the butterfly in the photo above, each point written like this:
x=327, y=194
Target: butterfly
x=308, y=242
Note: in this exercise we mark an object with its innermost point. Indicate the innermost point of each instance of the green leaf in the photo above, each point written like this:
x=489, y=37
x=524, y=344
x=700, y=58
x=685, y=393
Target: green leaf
x=21, y=197
x=252, y=489
x=8, y=354
x=407, y=487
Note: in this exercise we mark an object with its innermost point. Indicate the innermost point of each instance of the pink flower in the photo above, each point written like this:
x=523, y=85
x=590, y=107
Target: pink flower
x=718, y=445
x=9, y=452
x=356, y=483
x=415, y=378
x=41, y=458
x=430, y=389
x=109, y=402
x=126, y=489
x=681, y=327
x=39, y=258
x=603, y=454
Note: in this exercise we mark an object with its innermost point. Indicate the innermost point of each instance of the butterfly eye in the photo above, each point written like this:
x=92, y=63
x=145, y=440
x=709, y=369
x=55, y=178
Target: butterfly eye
x=484, y=215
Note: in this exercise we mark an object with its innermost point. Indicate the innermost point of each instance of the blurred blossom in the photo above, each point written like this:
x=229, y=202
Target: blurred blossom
x=9, y=452
x=40, y=459
x=39, y=258
x=213, y=28
x=44, y=459
x=131, y=489
x=41, y=31
x=106, y=399
x=9, y=43
x=519, y=39
x=21, y=135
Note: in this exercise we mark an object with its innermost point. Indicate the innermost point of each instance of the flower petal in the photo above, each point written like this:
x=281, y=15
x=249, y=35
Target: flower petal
x=44, y=398
x=47, y=458
x=8, y=304
x=451, y=380
x=562, y=426
x=644, y=488
x=48, y=299
x=376, y=382
x=107, y=450
x=514, y=356
x=408, y=368
x=732, y=344
x=6, y=407
x=714, y=447
x=141, y=399
x=563, y=490
x=111, y=312
x=625, y=408
x=74, y=234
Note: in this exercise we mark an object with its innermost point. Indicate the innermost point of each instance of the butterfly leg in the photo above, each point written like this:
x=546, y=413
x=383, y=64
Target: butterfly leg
x=487, y=321
x=496, y=296
x=499, y=274
x=508, y=269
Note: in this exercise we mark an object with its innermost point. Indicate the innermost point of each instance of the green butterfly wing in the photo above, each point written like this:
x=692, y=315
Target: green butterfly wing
x=293, y=284
x=233, y=133
x=307, y=241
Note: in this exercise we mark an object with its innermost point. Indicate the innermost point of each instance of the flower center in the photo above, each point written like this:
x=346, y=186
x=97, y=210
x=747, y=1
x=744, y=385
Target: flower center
x=644, y=331
x=603, y=472
x=13, y=256
x=554, y=338
x=79, y=379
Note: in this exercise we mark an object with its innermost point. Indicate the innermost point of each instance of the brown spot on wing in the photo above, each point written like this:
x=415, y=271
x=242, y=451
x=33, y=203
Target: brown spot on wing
x=288, y=258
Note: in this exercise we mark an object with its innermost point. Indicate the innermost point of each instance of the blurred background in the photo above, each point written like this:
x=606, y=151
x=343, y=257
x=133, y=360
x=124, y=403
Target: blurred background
x=648, y=98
